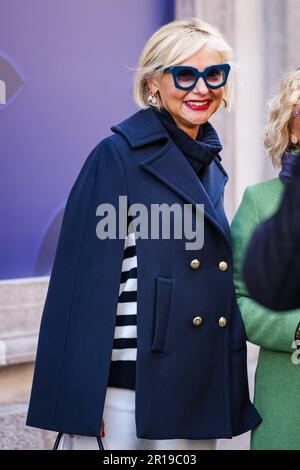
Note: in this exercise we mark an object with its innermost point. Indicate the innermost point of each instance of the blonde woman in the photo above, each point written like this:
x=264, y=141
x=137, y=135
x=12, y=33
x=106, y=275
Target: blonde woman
x=150, y=325
x=277, y=380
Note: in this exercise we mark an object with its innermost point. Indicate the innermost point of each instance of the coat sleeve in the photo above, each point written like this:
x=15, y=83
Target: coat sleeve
x=263, y=327
x=272, y=262
x=77, y=326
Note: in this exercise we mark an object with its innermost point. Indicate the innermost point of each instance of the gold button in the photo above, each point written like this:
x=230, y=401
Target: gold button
x=223, y=266
x=197, y=321
x=195, y=264
x=222, y=322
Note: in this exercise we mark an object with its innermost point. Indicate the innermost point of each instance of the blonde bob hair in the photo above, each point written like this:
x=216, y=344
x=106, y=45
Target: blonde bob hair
x=280, y=107
x=172, y=44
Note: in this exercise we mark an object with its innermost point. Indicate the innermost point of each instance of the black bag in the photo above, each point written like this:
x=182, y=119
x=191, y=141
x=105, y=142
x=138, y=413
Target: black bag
x=60, y=434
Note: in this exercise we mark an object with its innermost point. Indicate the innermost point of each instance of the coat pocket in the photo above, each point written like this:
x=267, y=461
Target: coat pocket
x=164, y=288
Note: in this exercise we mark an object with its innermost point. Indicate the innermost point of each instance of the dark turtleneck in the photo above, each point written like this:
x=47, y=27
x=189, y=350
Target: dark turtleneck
x=288, y=162
x=199, y=152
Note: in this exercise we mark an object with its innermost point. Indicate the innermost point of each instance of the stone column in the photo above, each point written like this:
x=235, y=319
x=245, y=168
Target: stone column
x=250, y=102
x=274, y=53
x=292, y=32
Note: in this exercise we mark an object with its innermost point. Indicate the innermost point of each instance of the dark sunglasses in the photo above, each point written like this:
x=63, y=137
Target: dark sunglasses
x=186, y=77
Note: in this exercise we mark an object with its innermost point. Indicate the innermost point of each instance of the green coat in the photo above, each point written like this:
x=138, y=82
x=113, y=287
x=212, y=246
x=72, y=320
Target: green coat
x=277, y=378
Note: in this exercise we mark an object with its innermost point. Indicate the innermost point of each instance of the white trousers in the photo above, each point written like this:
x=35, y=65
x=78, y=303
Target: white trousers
x=120, y=429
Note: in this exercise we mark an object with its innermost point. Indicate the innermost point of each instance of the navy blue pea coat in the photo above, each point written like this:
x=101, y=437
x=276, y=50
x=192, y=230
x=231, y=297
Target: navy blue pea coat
x=191, y=381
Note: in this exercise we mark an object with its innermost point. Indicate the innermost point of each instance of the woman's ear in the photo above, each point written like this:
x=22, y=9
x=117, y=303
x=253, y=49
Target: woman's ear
x=293, y=138
x=152, y=85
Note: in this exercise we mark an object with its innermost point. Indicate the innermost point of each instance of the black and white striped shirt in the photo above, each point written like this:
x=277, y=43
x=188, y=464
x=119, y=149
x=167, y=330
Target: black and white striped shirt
x=123, y=360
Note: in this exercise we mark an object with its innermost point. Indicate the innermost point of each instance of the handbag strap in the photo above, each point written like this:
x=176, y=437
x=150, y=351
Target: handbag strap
x=59, y=436
x=57, y=440
x=100, y=444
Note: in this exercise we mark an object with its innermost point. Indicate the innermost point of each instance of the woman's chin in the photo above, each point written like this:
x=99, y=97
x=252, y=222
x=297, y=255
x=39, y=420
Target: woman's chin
x=197, y=121
x=196, y=118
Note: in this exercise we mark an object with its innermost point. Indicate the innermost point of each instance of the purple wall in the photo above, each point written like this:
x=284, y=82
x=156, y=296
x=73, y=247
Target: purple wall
x=65, y=64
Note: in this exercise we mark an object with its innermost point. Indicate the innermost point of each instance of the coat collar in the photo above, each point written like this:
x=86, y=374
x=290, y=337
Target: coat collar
x=141, y=128
x=170, y=165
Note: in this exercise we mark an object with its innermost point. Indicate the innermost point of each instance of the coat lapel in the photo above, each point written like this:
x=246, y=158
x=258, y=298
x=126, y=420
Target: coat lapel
x=170, y=166
x=214, y=180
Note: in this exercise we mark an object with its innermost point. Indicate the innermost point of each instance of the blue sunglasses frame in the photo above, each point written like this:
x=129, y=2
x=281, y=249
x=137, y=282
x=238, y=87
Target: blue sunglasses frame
x=176, y=69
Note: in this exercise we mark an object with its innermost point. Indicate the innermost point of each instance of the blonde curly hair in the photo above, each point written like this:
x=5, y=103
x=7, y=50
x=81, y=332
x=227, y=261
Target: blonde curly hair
x=280, y=107
x=172, y=44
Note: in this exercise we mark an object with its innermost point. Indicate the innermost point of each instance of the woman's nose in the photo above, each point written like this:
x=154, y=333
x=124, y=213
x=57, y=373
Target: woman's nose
x=201, y=87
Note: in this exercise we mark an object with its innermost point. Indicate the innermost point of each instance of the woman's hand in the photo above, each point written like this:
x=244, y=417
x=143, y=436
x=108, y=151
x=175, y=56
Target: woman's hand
x=102, y=432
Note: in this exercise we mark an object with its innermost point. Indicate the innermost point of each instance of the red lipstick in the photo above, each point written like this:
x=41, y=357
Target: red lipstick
x=196, y=105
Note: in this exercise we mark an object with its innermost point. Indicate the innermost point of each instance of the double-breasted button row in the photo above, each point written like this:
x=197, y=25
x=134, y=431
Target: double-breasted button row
x=197, y=321
x=195, y=264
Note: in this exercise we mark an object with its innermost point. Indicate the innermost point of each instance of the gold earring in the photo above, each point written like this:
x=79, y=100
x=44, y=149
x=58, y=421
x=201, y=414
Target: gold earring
x=152, y=99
